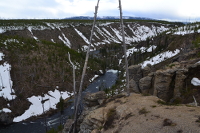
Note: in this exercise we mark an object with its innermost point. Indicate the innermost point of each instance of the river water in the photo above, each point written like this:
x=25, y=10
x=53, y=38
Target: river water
x=38, y=126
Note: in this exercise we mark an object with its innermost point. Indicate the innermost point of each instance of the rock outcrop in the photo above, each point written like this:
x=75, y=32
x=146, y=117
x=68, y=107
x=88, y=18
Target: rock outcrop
x=135, y=73
x=179, y=82
x=146, y=70
x=162, y=83
x=168, y=83
x=145, y=84
x=141, y=114
x=5, y=119
x=133, y=86
x=95, y=99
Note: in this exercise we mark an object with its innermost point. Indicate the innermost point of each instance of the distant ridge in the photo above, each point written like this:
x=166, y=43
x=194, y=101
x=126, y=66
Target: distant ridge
x=107, y=18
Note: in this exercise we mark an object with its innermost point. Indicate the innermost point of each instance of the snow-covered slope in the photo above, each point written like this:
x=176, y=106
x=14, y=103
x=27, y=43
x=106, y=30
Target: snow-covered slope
x=73, y=34
x=6, y=90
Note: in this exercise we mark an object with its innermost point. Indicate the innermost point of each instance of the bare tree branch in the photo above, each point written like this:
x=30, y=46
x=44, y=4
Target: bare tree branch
x=124, y=45
x=84, y=68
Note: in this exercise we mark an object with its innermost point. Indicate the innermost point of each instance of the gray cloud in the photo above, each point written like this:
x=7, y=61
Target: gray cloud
x=160, y=9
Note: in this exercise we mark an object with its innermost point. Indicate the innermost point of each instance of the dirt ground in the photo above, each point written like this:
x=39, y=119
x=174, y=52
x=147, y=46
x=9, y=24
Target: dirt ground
x=143, y=114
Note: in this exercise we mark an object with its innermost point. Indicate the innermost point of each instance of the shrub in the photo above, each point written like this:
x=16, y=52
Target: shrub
x=111, y=114
x=143, y=111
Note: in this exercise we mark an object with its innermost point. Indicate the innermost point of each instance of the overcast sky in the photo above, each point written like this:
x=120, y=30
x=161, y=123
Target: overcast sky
x=182, y=10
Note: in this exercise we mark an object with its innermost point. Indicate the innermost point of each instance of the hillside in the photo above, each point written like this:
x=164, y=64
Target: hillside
x=35, y=56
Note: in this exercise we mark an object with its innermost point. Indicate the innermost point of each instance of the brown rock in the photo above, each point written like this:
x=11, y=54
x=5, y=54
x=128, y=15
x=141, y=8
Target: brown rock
x=95, y=131
x=179, y=82
x=145, y=84
x=162, y=83
x=95, y=99
x=67, y=125
x=135, y=73
x=133, y=86
x=146, y=70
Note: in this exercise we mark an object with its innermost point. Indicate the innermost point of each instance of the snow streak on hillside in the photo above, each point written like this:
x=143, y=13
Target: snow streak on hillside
x=187, y=29
x=160, y=57
x=142, y=49
x=6, y=90
x=104, y=33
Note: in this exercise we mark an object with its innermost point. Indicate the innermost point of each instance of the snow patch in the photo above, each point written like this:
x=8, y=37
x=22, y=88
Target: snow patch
x=2, y=31
x=65, y=40
x=83, y=37
x=150, y=49
x=30, y=29
x=197, y=62
x=187, y=30
x=113, y=71
x=160, y=57
x=6, y=90
x=6, y=110
x=53, y=41
x=92, y=79
x=36, y=108
x=195, y=82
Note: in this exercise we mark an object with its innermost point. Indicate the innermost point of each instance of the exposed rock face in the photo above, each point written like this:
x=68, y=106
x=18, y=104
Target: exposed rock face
x=94, y=120
x=146, y=70
x=128, y=118
x=133, y=86
x=167, y=83
x=145, y=84
x=5, y=119
x=135, y=73
x=179, y=82
x=95, y=99
x=162, y=83
x=67, y=125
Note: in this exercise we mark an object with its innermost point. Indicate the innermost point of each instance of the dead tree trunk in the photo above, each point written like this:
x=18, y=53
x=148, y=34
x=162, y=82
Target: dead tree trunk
x=74, y=81
x=124, y=45
x=84, y=69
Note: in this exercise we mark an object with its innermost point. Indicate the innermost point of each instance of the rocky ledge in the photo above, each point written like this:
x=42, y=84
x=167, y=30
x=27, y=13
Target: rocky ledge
x=138, y=113
x=171, y=83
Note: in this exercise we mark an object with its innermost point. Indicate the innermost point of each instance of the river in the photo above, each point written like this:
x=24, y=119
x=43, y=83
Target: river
x=38, y=126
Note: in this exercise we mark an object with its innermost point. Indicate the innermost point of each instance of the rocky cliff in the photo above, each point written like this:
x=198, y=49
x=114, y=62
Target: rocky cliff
x=172, y=83
x=140, y=114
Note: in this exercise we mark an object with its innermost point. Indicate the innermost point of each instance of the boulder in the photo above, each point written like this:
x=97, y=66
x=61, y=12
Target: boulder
x=95, y=99
x=179, y=82
x=133, y=86
x=145, y=84
x=135, y=73
x=94, y=120
x=5, y=118
x=162, y=83
x=146, y=70
x=67, y=125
